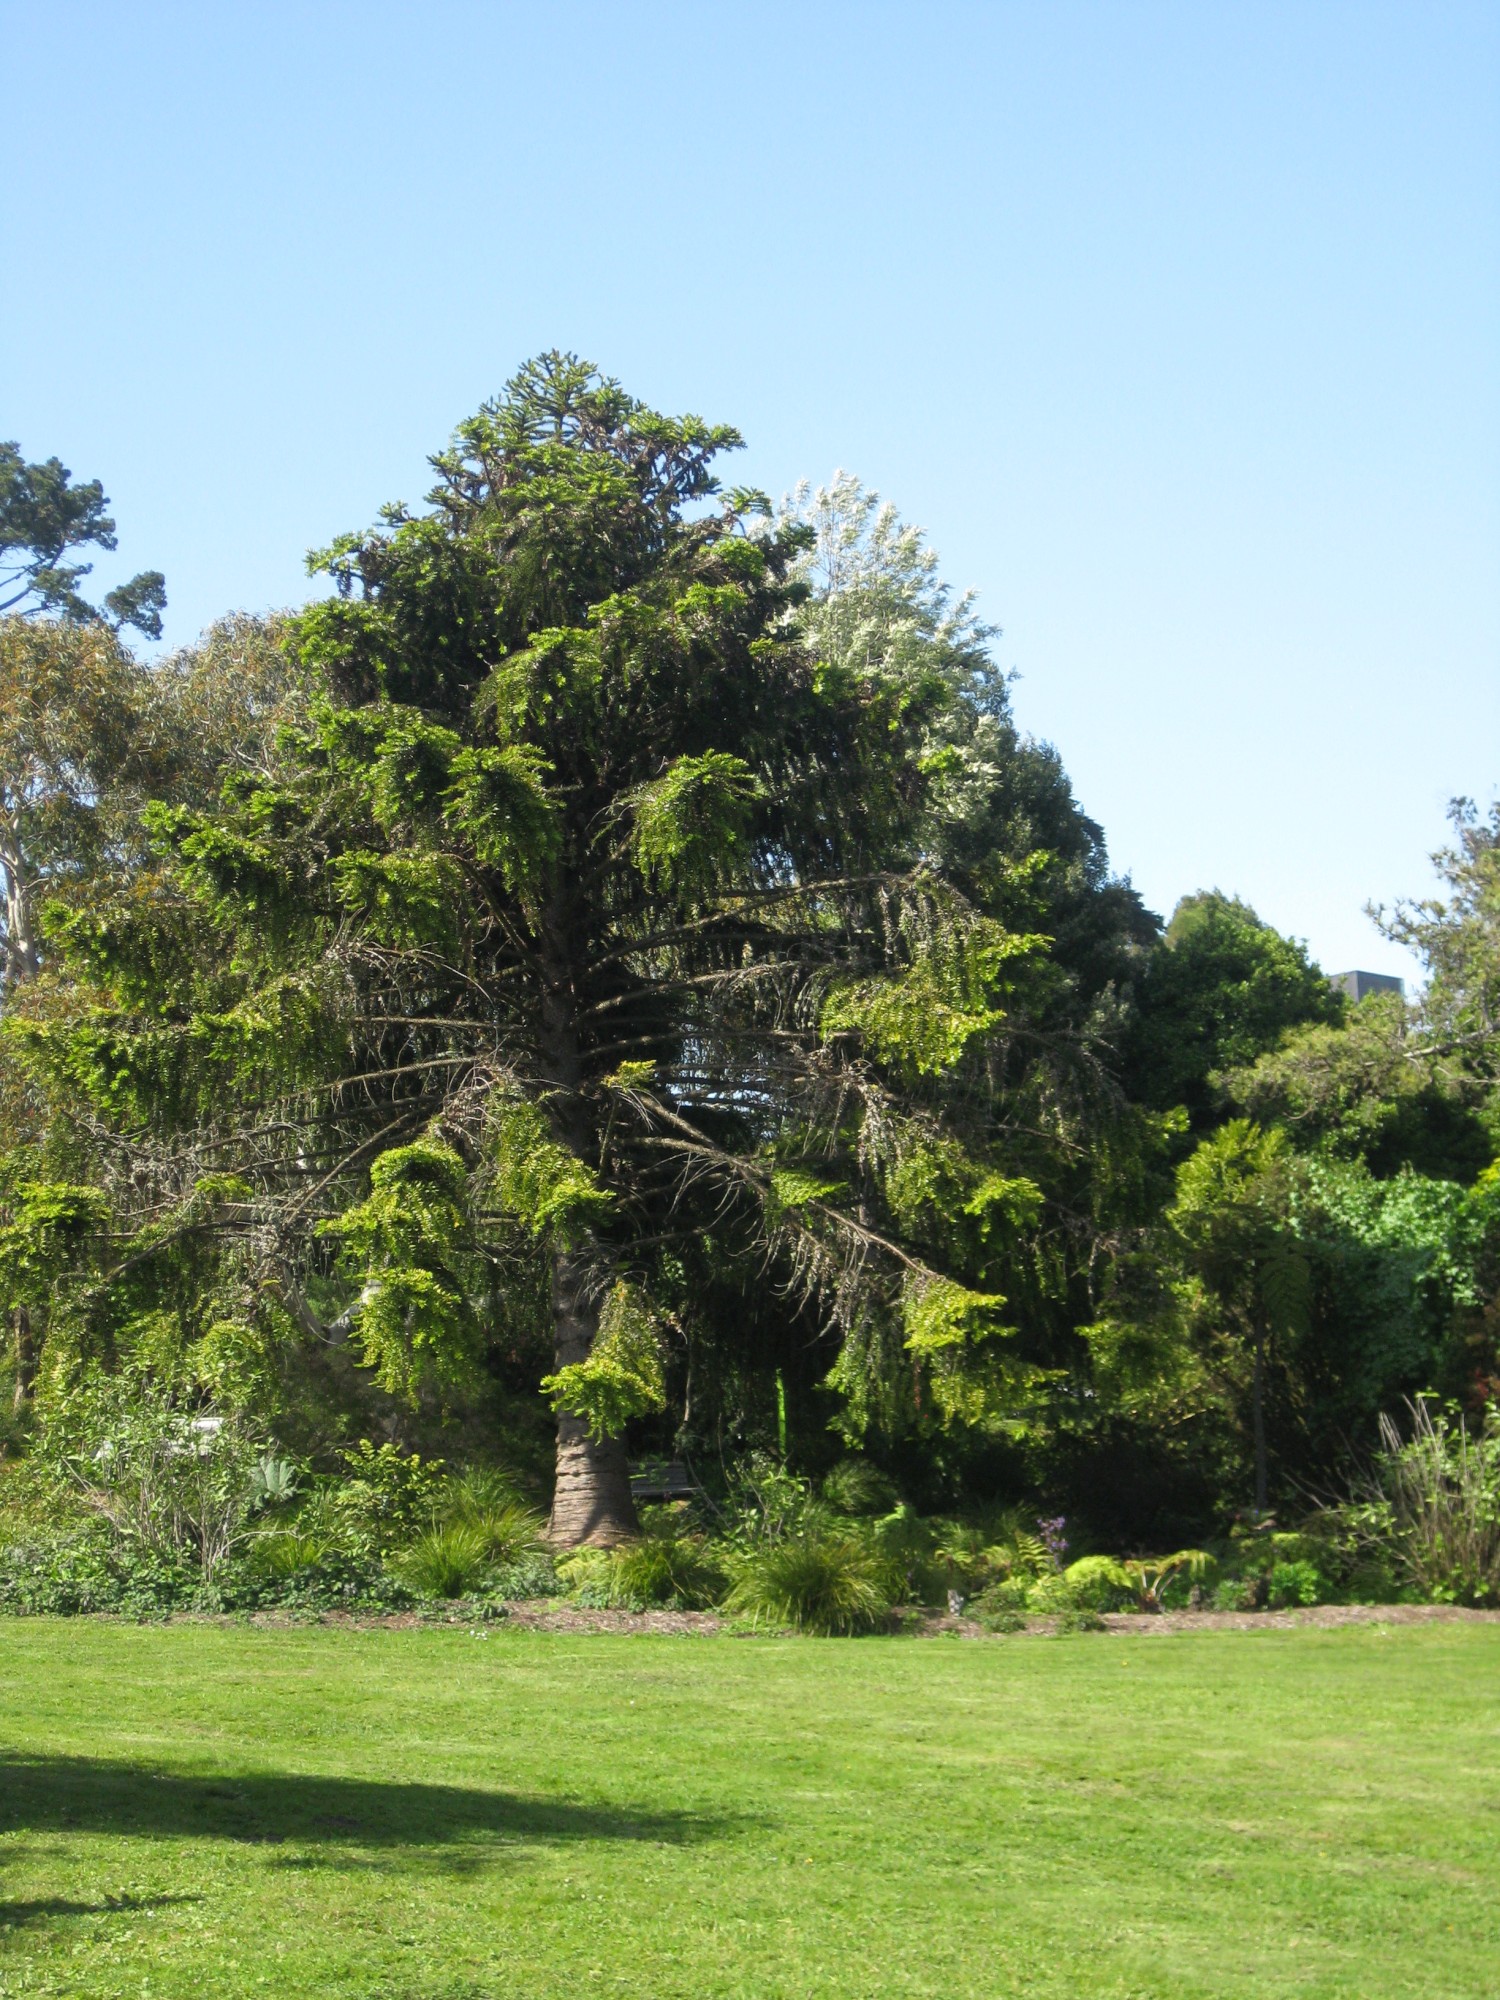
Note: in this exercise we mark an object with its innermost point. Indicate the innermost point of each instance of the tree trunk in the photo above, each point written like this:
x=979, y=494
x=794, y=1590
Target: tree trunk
x=25, y=1358
x=20, y=950
x=1258, y=1419
x=591, y=1503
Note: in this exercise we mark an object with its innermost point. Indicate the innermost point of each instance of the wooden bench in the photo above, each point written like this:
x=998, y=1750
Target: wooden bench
x=662, y=1479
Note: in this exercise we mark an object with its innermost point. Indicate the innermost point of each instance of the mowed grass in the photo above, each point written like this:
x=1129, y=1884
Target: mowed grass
x=217, y=1811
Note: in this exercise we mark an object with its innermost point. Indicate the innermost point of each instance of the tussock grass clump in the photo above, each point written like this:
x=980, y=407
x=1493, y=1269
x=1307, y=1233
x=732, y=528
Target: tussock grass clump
x=511, y=1531
x=674, y=1570
x=478, y=1489
x=818, y=1583
x=452, y=1559
x=658, y=1572
x=486, y=1498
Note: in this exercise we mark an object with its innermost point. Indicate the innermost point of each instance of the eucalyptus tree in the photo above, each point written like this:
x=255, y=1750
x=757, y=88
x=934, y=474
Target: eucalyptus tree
x=593, y=912
x=69, y=691
x=1456, y=934
x=70, y=701
x=88, y=733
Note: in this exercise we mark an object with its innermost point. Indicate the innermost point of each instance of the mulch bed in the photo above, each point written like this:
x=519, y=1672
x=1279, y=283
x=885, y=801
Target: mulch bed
x=543, y=1616
x=546, y=1615
x=1318, y=1615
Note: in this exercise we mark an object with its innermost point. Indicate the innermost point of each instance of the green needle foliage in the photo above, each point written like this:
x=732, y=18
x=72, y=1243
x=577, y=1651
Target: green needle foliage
x=622, y=1375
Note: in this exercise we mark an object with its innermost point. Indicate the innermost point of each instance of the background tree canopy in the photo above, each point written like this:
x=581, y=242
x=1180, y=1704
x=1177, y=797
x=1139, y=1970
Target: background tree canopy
x=43, y=518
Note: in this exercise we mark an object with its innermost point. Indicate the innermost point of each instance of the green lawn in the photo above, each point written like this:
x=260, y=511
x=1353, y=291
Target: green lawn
x=217, y=1811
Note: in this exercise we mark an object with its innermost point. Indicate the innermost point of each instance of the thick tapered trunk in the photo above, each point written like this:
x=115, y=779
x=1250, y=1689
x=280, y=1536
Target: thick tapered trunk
x=591, y=1503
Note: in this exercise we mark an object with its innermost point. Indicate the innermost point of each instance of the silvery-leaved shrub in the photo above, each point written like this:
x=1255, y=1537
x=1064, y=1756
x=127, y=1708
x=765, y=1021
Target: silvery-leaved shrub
x=171, y=1479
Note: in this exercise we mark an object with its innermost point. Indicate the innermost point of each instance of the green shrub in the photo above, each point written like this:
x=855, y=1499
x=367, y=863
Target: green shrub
x=1299, y=1547
x=857, y=1487
x=1006, y=1598
x=531, y=1575
x=173, y=1482
x=384, y=1499
x=1002, y=1607
x=334, y=1581
x=766, y=1503
x=818, y=1583
x=1050, y=1595
x=1080, y=1619
x=1099, y=1583
x=89, y=1569
x=1371, y=1580
x=907, y=1548
x=1354, y=1568
x=1238, y=1593
x=1294, y=1583
x=1003, y=1620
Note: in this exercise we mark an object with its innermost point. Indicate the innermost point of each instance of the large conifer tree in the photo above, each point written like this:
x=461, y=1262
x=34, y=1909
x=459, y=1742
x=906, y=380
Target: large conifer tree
x=595, y=916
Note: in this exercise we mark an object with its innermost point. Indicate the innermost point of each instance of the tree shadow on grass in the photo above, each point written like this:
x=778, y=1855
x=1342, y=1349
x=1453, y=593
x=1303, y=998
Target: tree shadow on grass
x=14, y=1916
x=94, y=1795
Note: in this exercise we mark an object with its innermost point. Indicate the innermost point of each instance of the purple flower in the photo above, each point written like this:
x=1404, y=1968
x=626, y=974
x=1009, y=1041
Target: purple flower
x=1055, y=1540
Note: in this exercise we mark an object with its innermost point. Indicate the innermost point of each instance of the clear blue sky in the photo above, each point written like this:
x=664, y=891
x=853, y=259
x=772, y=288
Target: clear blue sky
x=1177, y=326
